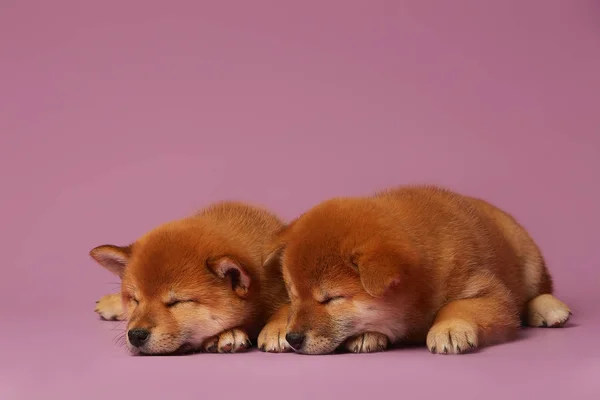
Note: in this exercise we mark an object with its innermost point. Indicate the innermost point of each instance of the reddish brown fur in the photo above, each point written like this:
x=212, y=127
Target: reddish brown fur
x=414, y=264
x=181, y=261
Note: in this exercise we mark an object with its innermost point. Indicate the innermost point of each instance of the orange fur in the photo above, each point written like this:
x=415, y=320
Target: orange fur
x=196, y=283
x=409, y=265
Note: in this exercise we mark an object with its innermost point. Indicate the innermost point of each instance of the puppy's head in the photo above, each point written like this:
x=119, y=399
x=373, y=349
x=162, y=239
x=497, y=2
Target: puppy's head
x=181, y=284
x=344, y=271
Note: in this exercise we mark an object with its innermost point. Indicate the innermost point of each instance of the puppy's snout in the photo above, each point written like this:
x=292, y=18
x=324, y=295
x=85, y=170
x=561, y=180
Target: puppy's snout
x=138, y=337
x=295, y=339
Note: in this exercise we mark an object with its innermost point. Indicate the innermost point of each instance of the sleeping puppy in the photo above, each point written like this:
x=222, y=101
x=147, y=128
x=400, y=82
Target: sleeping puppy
x=410, y=265
x=196, y=284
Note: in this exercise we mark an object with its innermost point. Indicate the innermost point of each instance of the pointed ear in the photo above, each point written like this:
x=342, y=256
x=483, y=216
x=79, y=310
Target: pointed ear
x=277, y=246
x=382, y=266
x=274, y=255
x=113, y=258
x=231, y=270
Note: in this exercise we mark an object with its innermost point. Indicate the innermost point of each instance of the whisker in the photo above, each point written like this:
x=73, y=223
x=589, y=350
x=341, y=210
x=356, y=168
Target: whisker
x=118, y=326
x=120, y=341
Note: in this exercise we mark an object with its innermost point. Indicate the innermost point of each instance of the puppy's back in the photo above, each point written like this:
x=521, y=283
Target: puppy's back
x=473, y=218
x=537, y=280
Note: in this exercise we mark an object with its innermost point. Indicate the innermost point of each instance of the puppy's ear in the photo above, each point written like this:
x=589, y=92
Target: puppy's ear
x=382, y=266
x=231, y=270
x=113, y=258
x=274, y=255
x=277, y=246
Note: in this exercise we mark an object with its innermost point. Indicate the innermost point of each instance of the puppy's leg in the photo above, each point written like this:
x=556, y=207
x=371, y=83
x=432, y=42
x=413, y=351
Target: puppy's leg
x=463, y=325
x=230, y=341
x=110, y=307
x=368, y=342
x=547, y=311
x=272, y=336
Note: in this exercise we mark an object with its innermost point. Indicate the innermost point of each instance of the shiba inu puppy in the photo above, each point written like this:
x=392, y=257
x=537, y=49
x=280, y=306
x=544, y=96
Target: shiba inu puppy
x=199, y=283
x=409, y=265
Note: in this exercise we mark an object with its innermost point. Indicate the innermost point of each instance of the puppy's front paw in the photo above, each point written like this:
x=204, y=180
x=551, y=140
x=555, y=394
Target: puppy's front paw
x=452, y=337
x=547, y=311
x=272, y=338
x=231, y=341
x=369, y=342
x=110, y=307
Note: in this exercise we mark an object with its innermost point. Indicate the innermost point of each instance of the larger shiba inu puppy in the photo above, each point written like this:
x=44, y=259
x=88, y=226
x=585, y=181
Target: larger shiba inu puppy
x=409, y=265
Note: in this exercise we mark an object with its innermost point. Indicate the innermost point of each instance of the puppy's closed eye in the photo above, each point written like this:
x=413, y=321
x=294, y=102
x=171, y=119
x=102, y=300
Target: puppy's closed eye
x=330, y=299
x=174, y=303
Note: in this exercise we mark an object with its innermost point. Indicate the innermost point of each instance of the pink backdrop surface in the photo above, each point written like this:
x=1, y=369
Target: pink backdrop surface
x=118, y=115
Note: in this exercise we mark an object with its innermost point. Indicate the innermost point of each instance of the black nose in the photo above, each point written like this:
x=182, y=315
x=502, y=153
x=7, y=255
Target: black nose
x=137, y=337
x=295, y=339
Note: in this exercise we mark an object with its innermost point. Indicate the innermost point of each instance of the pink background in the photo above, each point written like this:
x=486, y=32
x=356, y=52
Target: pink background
x=118, y=115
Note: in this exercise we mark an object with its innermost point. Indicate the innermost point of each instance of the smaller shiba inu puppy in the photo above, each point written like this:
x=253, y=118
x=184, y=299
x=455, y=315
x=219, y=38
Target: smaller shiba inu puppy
x=199, y=283
x=411, y=265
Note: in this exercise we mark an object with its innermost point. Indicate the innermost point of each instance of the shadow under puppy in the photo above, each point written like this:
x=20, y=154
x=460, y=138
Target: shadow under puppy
x=412, y=265
x=199, y=283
